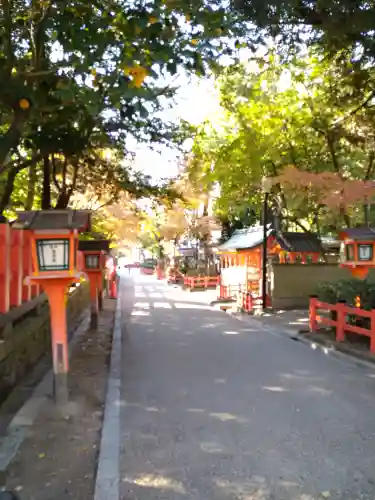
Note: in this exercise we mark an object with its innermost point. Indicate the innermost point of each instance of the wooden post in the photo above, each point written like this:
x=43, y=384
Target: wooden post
x=313, y=325
x=16, y=267
x=26, y=266
x=340, y=320
x=56, y=292
x=372, y=328
x=101, y=285
x=113, y=288
x=94, y=278
x=4, y=267
x=251, y=302
x=100, y=298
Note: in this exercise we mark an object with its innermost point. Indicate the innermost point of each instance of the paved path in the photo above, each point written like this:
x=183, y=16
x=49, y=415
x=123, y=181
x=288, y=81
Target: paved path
x=215, y=409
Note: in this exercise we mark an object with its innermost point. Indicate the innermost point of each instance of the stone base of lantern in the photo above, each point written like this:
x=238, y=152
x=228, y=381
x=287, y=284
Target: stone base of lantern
x=94, y=319
x=60, y=389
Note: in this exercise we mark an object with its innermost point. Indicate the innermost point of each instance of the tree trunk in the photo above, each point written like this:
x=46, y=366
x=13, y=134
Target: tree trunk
x=345, y=216
x=31, y=187
x=46, y=195
x=8, y=189
x=366, y=213
x=63, y=200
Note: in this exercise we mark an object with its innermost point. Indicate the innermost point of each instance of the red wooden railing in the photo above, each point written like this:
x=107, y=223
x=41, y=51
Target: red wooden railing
x=194, y=282
x=15, y=265
x=248, y=301
x=232, y=291
x=229, y=291
x=340, y=323
x=174, y=277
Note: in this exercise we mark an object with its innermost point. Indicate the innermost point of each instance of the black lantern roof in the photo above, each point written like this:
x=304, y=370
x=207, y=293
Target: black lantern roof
x=94, y=245
x=54, y=219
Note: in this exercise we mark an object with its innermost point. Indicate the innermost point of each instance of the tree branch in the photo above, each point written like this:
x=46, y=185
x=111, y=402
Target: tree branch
x=8, y=190
x=64, y=172
x=54, y=174
x=10, y=140
x=20, y=166
x=358, y=108
x=11, y=177
x=370, y=167
x=278, y=185
x=8, y=46
x=73, y=184
x=296, y=221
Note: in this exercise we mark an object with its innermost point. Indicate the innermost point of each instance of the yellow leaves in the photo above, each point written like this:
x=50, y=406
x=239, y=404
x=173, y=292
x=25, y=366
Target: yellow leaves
x=218, y=31
x=194, y=41
x=188, y=18
x=42, y=455
x=137, y=73
x=153, y=20
x=93, y=72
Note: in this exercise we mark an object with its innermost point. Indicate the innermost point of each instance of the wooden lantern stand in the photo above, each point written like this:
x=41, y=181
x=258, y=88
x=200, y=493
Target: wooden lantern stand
x=358, y=250
x=94, y=265
x=56, y=290
x=54, y=241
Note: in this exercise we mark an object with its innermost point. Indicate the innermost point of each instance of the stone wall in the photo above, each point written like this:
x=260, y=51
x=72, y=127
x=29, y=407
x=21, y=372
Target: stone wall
x=24, y=342
x=292, y=284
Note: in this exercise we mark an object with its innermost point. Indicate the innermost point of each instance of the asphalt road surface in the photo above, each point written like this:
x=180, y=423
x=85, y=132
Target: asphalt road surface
x=216, y=409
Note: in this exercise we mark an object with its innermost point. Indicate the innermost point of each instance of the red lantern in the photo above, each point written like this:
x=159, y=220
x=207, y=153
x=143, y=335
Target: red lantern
x=358, y=253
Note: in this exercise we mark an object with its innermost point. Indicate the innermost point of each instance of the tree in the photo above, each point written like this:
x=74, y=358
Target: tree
x=338, y=25
x=75, y=77
x=302, y=113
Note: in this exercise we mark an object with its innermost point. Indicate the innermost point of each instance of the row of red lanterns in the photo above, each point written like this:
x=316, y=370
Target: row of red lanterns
x=60, y=259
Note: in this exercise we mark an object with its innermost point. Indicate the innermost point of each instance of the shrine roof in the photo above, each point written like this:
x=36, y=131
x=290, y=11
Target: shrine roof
x=246, y=239
x=364, y=233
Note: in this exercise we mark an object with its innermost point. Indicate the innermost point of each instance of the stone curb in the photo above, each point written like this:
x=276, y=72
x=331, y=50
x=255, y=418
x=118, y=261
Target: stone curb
x=107, y=483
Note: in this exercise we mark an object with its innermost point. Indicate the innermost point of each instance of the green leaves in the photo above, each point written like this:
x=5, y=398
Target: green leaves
x=92, y=72
x=304, y=114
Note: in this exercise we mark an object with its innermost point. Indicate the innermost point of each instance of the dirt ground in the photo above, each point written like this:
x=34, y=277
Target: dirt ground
x=58, y=460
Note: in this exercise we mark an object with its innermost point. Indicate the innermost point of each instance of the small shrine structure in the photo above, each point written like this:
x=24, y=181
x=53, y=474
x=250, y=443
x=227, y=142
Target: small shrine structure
x=241, y=256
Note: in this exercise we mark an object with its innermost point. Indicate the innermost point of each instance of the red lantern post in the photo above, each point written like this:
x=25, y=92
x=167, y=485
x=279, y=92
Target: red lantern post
x=54, y=236
x=358, y=250
x=94, y=266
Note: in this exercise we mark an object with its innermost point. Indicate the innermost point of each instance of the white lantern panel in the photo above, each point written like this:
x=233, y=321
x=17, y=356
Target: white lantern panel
x=364, y=252
x=53, y=254
x=92, y=261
